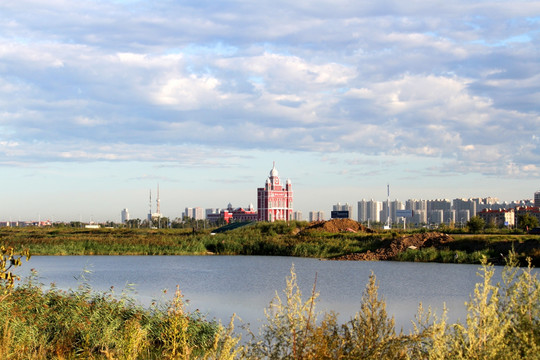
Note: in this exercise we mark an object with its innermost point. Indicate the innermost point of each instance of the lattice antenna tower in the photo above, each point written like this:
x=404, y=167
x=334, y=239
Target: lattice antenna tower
x=158, y=211
x=388, y=205
x=150, y=204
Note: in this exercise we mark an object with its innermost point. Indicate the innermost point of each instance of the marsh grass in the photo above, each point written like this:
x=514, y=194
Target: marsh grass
x=55, y=324
x=279, y=238
x=503, y=322
x=443, y=256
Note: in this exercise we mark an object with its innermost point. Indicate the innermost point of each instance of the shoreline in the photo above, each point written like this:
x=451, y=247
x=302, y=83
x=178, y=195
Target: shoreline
x=276, y=240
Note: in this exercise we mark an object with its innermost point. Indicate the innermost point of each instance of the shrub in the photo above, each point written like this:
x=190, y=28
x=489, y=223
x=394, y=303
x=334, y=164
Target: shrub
x=8, y=260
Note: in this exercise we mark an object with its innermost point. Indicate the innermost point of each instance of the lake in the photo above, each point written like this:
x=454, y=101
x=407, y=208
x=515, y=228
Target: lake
x=222, y=285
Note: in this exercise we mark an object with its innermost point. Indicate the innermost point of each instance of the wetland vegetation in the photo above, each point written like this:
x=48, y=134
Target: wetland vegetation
x=503, y=322
x=281, y=238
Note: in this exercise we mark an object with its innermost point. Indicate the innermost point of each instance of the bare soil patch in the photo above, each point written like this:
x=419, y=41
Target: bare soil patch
x=337, y=225
x=391, y=248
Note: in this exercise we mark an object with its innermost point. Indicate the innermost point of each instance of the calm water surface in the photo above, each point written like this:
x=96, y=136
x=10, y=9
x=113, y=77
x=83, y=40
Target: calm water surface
x=222, y=285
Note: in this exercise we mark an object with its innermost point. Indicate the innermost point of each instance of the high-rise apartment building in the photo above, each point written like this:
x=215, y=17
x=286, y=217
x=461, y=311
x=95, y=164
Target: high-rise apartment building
x=462, y=216
x=362, y=211
x=389, y=210
x=342, y=211
x=374, y=209
x=316, y=216
x=537, y=199
x=436, y=217
x=196, y=213
x=439, y=204
x=125, y=216
x=463, y=205
x=450, y=217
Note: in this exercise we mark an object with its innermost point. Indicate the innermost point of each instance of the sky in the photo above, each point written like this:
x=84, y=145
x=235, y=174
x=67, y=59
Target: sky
x=101, y=101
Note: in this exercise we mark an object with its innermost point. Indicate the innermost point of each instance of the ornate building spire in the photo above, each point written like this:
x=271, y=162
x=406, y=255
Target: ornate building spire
x=275, y=201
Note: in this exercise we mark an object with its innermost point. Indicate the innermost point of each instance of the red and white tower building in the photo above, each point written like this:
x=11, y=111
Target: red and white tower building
x=275, y=200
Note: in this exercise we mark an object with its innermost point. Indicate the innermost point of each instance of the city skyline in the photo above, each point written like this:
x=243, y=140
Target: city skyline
x=179, y=213
x=102, y=100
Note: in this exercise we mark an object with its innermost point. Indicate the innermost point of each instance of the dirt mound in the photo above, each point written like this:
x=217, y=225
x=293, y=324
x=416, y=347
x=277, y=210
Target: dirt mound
x=392, y=248
x=337, y=225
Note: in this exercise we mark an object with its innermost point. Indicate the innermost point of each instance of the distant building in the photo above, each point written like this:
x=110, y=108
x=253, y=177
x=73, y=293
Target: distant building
x=19, y=223
x=460, y=205
x=195, y=213
x=531, y=210
x=439, y=204
x=275, y=201
x=436, y=216
x=230, y=214
x=241, y=214
x=212, y=211
x=316, y=216
x=374, y=209
x=297, y=215
x=498, y=217
x=389, y=210
x=450, y=217
x=419, y=217
x=457, y=211
x=463, y=216
x=369, y=210
x=341, y=211
x=125, y=216
x=362, y=211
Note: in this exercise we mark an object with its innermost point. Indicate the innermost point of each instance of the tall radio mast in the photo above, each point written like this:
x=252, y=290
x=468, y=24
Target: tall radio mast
x=387, y=206
x=157, y=202
x=150, y=207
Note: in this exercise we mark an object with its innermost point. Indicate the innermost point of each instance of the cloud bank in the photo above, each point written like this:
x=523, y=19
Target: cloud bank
x=152, y=81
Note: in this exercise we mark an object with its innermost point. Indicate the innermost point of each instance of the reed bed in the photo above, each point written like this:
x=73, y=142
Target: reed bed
x=280, y=238
x=503, y=322
x=81, y=324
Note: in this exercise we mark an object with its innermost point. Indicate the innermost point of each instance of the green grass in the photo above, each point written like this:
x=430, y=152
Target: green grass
x=37, y=323
x=278, y=238
x=443, y=256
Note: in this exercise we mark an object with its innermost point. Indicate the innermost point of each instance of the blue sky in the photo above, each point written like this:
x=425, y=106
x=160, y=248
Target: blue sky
x=102, y=100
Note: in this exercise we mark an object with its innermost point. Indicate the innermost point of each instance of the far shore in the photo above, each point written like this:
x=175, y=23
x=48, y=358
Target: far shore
x=332, y=240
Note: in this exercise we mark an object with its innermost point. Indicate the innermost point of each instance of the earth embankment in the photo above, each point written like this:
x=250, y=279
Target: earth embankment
x=495, y=247
x=337, y=225
x=390, y=249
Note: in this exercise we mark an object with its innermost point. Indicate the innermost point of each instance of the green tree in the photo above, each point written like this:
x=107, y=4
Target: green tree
x=526, y=220
x=133, y=223
x=491, y=225
x=476, y=223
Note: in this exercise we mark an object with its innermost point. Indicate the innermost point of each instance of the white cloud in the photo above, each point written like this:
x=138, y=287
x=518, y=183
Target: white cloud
x=187, y=93
x=382, y=78
x=89, y=122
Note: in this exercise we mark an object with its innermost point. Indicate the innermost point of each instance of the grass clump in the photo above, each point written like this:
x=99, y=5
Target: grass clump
x=503, y=322
x=54, y=324
x=432, y=254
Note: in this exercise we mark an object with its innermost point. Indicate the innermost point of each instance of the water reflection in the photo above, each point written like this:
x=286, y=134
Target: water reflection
x=222, y=285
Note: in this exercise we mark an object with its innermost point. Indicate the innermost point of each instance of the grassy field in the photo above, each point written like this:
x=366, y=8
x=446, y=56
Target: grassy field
x=283, y=239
